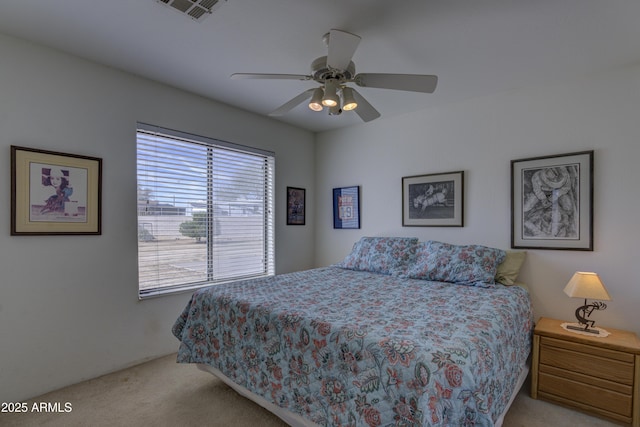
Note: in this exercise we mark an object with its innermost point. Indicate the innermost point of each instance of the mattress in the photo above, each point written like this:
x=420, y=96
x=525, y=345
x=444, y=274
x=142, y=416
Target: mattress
x=342, y=347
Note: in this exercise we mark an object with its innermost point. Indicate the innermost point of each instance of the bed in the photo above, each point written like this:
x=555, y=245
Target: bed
x=378, y=339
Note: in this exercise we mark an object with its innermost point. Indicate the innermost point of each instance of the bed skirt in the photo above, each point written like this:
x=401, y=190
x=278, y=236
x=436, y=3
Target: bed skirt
x=295, y=420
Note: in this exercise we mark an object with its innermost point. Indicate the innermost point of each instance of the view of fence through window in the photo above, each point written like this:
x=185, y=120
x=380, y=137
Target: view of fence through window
x=205, y=211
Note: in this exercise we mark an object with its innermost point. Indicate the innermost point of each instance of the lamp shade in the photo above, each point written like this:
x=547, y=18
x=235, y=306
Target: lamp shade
x=316, y=100
x=586, y=285
x=350, y=102
x=330, y=98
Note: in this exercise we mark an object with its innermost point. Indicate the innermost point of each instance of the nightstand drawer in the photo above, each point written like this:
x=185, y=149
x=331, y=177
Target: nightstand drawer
x=586, y=394
x=587, y=379
x=593, y=361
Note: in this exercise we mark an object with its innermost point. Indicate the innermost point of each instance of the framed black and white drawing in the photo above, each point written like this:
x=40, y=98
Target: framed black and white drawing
x=552, y=202
x=346, y=207
x=296, y=203
x=54, y=193
x=433, y=200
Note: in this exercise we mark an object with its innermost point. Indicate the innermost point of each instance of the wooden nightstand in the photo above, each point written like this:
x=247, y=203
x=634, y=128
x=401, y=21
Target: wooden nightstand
x=599, y=375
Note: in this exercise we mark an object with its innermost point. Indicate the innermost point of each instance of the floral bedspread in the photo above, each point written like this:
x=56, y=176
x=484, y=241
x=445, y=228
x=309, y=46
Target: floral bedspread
x=351, y=348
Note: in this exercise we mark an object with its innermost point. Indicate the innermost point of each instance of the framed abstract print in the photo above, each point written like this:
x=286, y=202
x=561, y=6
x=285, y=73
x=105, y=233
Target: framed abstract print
x=552, y=202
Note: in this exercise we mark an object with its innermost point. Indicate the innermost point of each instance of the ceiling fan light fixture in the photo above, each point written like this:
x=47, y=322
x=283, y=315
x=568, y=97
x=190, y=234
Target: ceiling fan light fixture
x=316, y=100
x=330, y=98
x=332, y=72
x=349, y=102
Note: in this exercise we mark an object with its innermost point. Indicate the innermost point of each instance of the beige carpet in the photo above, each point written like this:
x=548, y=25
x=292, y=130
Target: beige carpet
x=164, y=393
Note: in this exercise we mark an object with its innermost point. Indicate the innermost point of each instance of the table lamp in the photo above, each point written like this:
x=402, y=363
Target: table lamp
x=586, y=285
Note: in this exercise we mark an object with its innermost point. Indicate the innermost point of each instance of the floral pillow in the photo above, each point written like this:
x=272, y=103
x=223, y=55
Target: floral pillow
x=385, y=255
x=466, y=265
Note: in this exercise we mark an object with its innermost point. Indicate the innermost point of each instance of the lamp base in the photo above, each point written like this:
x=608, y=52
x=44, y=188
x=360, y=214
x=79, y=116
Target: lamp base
x=583, y=329
x=578, y=328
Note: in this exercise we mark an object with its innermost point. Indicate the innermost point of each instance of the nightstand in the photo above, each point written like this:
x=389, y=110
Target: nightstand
x=599, y=375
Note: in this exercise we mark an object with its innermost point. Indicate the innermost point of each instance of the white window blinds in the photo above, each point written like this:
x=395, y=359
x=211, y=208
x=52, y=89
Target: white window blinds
x=205, y=211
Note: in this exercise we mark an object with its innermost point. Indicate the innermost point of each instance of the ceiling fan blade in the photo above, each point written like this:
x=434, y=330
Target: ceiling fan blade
x=408, y=82
x=287, y=106
x=342, y=46
x=237, y=76
x=364, y=109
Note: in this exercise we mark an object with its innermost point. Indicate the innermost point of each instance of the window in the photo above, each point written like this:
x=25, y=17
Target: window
x=205, y=211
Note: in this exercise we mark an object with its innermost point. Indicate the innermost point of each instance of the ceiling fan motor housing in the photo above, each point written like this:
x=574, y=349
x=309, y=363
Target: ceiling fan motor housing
x=321, y=72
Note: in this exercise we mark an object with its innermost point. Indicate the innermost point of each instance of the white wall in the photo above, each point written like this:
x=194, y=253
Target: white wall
x=68, y=304
x=481, y=137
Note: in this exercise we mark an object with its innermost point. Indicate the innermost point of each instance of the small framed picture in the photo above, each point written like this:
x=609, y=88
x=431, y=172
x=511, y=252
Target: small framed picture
x=552, y=202
x=55, y=193
x=296, y=205
x=346, y=207
x=433, y=200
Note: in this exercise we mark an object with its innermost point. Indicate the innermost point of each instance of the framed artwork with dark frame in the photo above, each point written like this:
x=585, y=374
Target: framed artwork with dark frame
x=55, y=193
x=346, y=207
x=552, y=202
x=433, y=200
x=296, y=205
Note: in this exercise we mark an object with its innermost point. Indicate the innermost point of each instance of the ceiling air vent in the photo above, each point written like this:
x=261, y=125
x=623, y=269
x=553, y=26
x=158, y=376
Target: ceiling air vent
x=196, y=9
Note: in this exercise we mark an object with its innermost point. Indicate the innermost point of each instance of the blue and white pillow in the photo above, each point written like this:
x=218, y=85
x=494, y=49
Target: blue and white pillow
x=462, y=264
x=384, y=255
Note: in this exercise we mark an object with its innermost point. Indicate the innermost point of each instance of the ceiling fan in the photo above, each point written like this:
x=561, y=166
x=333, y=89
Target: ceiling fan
x=334, y=71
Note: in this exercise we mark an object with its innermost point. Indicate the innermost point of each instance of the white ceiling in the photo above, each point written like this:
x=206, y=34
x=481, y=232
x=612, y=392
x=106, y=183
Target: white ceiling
x=475, y=47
